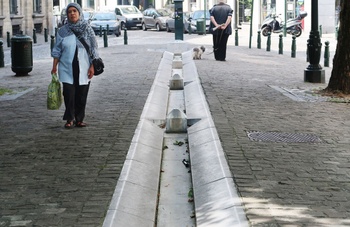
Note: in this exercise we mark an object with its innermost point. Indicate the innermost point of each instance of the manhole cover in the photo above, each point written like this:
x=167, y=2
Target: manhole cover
x=283, y=137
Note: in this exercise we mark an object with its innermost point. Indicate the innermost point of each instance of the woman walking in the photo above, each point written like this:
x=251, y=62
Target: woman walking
x=73, y=64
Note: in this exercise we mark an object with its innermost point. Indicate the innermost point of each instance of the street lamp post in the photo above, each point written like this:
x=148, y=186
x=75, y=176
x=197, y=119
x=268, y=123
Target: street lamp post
x=314, y=72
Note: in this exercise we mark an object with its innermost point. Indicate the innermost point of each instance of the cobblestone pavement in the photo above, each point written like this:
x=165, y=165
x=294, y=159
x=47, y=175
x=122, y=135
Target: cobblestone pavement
x=281, y=183
x=50, y=176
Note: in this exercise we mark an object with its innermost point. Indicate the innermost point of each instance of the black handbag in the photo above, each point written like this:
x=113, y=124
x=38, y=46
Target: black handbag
x=98, y=66
x=96, y=62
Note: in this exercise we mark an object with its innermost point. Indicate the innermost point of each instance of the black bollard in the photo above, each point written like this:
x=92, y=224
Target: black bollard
x=280, y=44
x=326, y=54
x=52, y=42
x=8, y=39
x=34, y=35
x=259, y=40
x=125, y=36
x=294, y=47
x=2, y=63
x=236, y=37
x=105, y=38
x=268, y=44
x=45, y=35
x=100, y=30
x=320, y=30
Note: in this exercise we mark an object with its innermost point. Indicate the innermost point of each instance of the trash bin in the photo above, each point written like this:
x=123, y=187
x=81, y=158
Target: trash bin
x=200, y=26
x=21, y=54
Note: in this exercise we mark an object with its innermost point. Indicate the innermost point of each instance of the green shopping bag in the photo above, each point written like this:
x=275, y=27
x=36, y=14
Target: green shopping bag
x=54, y=94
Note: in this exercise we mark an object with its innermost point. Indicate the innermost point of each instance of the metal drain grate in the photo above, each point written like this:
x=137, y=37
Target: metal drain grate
x=283, y=137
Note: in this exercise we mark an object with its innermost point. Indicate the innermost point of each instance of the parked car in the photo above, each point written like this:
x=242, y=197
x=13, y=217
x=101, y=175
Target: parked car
x=170, y=22
x=87, y=14
x=199, y=15
x=129, y=16
x=153, y=18
x=103, y=19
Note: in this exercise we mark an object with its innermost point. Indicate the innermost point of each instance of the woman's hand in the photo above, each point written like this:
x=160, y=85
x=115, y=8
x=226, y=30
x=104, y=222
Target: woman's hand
x=54, y=70
x=54, y=66
x=91, y=71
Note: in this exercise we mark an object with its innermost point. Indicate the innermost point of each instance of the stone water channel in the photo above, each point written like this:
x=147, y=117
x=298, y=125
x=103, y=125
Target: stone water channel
x=175, y=155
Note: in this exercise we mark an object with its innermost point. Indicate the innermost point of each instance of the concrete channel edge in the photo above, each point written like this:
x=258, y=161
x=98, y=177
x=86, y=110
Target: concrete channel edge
x=134, y=202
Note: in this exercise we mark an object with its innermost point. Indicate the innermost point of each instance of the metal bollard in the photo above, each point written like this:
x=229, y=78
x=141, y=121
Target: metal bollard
x=236, y=37
x=34, y=35
x=45, y=35
x=52, y=44
x=2, y=63
x=259, y=40
x=293, y=54
x=320, y=31
x=100, y=30
x=280, y=44
x=105, y=39
x=326, y=54
x=268, y=44
x=125, y=36
x=8, y=39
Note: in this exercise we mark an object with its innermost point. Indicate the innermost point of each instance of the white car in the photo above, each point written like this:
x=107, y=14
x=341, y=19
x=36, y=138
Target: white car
x=129, y=16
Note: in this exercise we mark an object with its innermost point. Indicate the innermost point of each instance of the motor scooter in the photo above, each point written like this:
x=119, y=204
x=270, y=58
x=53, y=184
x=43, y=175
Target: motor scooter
x=273, y=24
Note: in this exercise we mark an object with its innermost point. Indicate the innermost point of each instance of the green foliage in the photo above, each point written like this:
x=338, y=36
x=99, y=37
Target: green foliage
x=4, y=91
x=178, y=143
x=190, y=193
x=247, y=3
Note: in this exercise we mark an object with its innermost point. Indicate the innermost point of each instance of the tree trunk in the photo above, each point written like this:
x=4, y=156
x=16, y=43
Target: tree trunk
x=340, y=77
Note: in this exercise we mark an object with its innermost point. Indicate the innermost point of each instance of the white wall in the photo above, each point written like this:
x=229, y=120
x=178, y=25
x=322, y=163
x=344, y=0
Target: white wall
x=326, y=15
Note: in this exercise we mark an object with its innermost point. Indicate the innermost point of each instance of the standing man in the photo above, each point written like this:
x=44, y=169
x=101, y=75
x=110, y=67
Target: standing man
x=220, y=27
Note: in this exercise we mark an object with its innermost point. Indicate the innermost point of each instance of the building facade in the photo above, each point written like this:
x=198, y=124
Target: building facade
x=24, y=15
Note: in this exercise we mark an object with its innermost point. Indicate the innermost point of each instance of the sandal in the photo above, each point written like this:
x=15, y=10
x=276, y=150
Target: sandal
x=80, y=124
x=69, y=124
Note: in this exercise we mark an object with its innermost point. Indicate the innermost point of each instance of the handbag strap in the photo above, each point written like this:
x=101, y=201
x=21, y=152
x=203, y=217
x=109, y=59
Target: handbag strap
x=82, y=40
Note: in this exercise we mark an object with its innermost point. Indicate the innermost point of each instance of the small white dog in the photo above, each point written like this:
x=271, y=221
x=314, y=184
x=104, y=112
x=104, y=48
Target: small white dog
x=197, y=52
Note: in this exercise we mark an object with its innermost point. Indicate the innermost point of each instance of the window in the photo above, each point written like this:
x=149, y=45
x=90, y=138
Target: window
x=13, y=7
x=89, y=4
x=37, y=6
